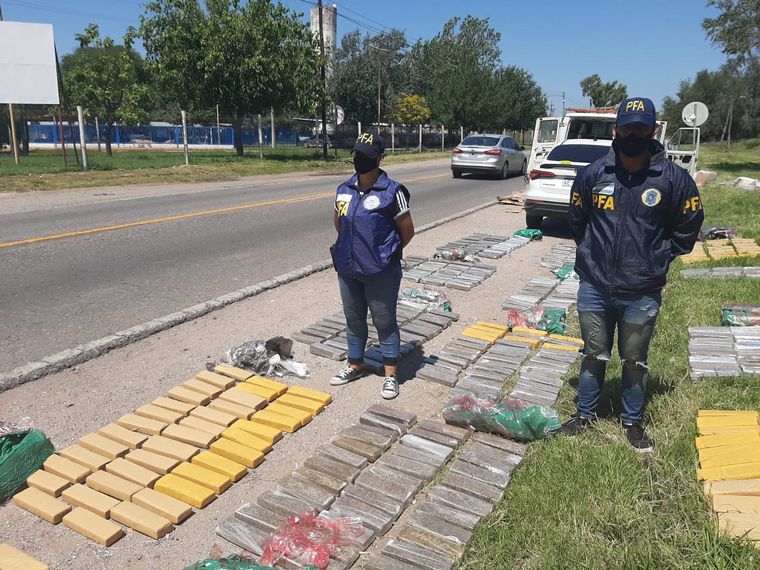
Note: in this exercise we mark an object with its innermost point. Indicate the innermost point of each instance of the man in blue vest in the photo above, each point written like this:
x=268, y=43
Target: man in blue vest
x=631, y=214
x=374, y=224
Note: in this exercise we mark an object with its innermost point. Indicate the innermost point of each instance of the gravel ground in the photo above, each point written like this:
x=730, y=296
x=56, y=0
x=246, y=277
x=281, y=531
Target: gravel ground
x=75, y=402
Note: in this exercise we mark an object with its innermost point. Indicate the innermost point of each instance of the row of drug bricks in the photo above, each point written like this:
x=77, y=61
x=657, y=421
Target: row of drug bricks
x=150, y=468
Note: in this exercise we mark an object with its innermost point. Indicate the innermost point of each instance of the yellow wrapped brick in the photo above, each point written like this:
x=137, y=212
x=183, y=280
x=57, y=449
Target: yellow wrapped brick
x=301, y=403
x=713, y=413
x=574, y=340
x=740, y=525
x=302, y=415
x=267, y=394
x=213, y=480
x=311, y=394
x=739, y=449
x=727, y=421
x=248, y=439
x=210, y=460
x=232, y=372
x=728, y=430
x=706, y=441
x=730, y=458
x=184, y=490
x=268, y=433
x=729, y=472
x=526, y=330
x=278, y=387
x=275, y=420
x=237, y=452
x=553, y=346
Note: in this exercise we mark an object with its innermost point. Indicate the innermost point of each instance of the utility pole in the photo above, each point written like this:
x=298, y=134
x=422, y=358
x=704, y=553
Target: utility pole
x=551, y=109
x=322, y=77
x=378, y=83
x=563, y=103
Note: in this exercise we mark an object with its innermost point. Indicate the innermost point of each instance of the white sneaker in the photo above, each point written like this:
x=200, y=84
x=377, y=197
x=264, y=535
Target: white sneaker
x=390, y=388
x=346, y=375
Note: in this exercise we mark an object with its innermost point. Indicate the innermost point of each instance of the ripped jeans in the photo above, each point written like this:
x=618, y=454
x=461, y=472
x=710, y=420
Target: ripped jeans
x=635, y=316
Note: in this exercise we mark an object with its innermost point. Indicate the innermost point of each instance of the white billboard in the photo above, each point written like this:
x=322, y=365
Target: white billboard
x=27, y=64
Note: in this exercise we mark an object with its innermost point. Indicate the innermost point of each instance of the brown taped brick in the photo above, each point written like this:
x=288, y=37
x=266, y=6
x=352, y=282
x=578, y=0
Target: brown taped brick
x=237, y=410
x=159, y=414
x=70, y=470
x=233, y=372
x=156, y=462
x=103, y=445
x=188, y=396
x=278, y=387
x=322, y=397
x=131, y=439
x=214, y=415
x=93, y=527
x=132, y=472
x=170, y=447
x=14, y=559
x=48, y=483
x=112, y=485
x=202, y=387
x=215, y=462
x=41, y=504
x=143, y=425
x=203, y=425
x=248, y=439
x=168, y=507
x=218, y=380
x=258, y=390
x=174, y=405
x=90, y=499
x=142, y=520
x=190, y=436
x=93, y=461
x=243, y=397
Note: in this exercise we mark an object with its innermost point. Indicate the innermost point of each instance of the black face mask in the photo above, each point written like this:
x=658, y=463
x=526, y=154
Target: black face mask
x=364, y=164
x=632, y=145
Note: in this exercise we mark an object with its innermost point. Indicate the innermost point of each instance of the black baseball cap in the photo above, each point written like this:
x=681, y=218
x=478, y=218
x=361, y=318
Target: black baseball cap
x=370, y=144
x=636, y=110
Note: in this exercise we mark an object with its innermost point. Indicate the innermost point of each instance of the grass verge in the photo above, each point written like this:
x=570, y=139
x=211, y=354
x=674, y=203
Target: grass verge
x=44, y=170
x=591, y=501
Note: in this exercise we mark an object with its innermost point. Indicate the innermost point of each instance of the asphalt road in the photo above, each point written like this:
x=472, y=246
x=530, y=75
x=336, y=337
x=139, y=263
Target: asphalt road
x=78, y=268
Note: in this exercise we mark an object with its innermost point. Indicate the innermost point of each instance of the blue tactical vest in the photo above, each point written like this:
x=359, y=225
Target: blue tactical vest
x=368, y=241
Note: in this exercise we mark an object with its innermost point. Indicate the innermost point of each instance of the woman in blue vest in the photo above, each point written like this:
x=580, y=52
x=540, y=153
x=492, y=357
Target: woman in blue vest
x=374, y=224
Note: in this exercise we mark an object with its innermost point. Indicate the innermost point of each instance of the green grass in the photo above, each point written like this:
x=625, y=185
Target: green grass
x=44, y=170
x=591, y=501
x=742, y=160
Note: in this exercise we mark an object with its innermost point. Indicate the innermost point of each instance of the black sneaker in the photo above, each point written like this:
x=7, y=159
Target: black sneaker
x=638, y=438
x=346, y=375
x=575, y=425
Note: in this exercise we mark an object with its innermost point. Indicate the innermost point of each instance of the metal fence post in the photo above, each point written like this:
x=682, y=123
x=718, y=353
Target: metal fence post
x=461, y=134
x=443, y=138
x=82, y=139
x=393, y=138
x=420, y=143
x=184, y=137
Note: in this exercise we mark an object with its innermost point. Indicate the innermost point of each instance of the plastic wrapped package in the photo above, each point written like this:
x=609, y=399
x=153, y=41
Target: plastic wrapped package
x=22, y=452
x=553, y=321
x=425, y=298
x=228, y=563
x=530, y=234
x=528, y=318
x=740, y=315
x=717, y=232
x=566, y=272
x=511, y=418
x=267, y=358
x=309, y=539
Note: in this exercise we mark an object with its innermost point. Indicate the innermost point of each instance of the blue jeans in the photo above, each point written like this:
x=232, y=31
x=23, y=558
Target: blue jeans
x=379, y=293
x=634, y=315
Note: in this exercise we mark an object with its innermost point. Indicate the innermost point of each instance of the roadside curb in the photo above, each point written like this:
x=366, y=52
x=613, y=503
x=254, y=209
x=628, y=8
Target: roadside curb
x=89, y=350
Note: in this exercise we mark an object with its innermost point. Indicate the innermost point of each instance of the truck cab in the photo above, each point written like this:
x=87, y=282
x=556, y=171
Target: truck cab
x=592, y=124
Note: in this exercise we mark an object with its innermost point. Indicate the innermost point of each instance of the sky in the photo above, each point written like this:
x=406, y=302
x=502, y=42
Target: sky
x=649, y=45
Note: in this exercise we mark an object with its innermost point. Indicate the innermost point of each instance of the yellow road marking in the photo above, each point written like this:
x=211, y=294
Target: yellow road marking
x=101, y=229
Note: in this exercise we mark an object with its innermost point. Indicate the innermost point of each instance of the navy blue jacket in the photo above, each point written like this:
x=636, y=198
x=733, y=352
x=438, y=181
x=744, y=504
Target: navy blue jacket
x=368, y=241
x=629, y=227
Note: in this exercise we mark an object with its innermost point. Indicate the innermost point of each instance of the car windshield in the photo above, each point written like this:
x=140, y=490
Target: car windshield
x=480, y=141
x=590, y=128
x=578, y=152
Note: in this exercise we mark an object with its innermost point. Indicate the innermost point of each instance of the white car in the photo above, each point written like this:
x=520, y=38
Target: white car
x=498, y=155
x=548, y=193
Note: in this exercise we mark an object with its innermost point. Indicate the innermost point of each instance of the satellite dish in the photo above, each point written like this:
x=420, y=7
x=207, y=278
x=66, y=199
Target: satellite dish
x=694, y=114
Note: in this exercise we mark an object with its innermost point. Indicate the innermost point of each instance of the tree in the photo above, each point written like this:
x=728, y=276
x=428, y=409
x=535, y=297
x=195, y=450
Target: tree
x=603, y=94
x=357, y=64
x=516, y=99
x=410, y=110
x=247, y=58
x=454, y=71
x=107, y=79
x=737, y=28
